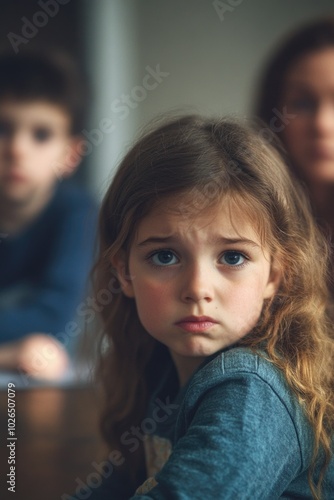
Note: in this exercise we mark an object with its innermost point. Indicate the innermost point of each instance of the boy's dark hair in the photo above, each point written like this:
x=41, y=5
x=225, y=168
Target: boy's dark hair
x=45, y=76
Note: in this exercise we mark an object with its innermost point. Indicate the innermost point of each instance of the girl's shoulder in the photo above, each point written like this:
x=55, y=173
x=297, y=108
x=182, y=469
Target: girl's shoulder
x=238, y=362
x=239, y=403
x=245, y=379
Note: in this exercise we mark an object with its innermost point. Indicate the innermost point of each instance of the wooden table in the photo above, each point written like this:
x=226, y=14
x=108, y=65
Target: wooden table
x=57, y=441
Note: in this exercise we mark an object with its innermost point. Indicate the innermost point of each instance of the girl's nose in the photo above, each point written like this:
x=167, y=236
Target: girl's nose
x=197, y=284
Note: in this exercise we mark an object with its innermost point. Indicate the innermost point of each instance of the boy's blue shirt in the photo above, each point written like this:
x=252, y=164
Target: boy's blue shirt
x=50, y=260
x=236, y=431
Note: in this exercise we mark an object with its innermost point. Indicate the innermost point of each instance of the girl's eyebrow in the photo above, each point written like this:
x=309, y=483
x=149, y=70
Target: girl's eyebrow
x=158, y=239
x=216, y=240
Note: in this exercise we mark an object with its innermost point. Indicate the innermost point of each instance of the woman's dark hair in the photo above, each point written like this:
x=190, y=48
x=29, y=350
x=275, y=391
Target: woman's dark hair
x=312, y=37
x=45, y=75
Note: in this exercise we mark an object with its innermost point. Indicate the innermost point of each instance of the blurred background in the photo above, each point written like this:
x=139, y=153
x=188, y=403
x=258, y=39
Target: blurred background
x=145, y=57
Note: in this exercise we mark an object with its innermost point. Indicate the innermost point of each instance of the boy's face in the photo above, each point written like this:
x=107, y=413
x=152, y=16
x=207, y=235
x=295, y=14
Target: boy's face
x=35, y=149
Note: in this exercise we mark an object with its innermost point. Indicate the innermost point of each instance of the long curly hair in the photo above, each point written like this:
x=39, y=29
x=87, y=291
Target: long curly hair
x=214, y=160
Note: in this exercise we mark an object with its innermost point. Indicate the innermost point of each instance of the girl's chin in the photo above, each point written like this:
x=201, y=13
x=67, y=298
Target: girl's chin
x=198, y=351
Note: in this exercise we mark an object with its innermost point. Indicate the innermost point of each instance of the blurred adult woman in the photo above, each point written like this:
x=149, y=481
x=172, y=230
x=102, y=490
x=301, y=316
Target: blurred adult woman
x=296, y=100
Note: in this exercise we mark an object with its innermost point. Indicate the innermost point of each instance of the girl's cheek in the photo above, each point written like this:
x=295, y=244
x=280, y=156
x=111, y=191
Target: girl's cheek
x=152, y=289
x=157, y=291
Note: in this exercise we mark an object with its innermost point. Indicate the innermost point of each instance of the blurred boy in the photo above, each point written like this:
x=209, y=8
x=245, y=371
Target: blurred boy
x=46, y=226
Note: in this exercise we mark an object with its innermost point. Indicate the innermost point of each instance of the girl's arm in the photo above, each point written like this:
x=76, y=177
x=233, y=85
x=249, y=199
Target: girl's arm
x=240, y=442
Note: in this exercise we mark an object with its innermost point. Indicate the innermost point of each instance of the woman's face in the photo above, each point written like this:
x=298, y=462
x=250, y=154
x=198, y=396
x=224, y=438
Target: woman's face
x=308, y=95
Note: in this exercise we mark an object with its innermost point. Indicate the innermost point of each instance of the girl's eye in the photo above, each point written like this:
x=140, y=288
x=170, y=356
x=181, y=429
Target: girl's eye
x=233, y=258
x=42, y=134
x=164, y=258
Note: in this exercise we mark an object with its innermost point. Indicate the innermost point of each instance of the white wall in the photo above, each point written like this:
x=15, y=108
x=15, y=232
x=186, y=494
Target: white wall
x=212, y=61
x=109, y=38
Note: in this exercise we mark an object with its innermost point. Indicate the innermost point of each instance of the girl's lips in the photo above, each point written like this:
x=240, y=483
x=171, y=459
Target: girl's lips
x=196, y=324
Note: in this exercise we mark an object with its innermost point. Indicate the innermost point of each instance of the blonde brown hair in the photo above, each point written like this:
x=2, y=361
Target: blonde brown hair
x=213, y=160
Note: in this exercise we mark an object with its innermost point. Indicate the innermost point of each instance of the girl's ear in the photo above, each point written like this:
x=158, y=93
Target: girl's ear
x=119, y=262
x=274, y=281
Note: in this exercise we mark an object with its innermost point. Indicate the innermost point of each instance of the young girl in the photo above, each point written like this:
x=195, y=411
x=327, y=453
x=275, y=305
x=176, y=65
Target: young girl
x=218, y=361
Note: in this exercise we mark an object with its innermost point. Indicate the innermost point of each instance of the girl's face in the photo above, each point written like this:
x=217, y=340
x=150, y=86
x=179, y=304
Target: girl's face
x=199, y=283
x=309, y=136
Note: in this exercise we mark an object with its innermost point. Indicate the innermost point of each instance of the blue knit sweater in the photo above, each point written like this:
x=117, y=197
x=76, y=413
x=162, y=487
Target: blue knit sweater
x=239, y=433
x=234, y=432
